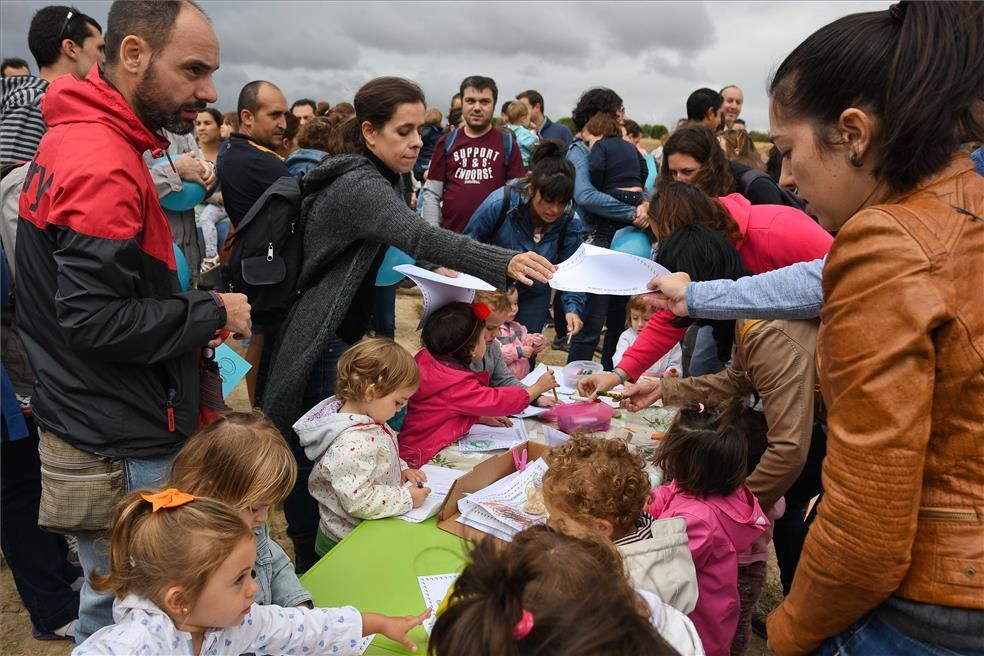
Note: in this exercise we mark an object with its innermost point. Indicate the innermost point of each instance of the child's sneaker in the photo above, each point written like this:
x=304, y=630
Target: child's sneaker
x=209, y=263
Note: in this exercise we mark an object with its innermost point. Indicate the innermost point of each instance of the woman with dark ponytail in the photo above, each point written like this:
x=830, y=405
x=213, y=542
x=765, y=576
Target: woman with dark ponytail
x=869, y=113
x=537, y=216
x=548, y=594
x=351, y=212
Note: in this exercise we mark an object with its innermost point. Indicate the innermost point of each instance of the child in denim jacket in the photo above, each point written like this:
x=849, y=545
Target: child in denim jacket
x=243, y=460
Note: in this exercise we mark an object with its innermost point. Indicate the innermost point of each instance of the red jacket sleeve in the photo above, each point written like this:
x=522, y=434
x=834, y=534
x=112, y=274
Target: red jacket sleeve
x=473, y=398
x=655, y=341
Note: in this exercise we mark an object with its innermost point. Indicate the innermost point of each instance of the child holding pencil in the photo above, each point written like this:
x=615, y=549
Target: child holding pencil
x=452, y=397
x=358, y=473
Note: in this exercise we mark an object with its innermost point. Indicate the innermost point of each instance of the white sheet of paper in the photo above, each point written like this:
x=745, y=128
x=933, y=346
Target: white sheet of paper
x=541, y=369
x=434, y=589
x=530, y=411
x=483, y=438
x=439, y=480
x=439, y=290
x=597, y=270
x=554, y=437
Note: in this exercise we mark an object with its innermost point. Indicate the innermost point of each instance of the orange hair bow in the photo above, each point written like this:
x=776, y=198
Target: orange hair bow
x=169, y=498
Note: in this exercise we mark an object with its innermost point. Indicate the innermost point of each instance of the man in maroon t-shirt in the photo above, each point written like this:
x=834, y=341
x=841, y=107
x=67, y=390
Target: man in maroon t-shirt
x=476, y=163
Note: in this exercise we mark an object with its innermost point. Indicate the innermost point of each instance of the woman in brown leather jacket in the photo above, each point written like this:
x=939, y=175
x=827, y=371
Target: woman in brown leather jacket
x=869, y=113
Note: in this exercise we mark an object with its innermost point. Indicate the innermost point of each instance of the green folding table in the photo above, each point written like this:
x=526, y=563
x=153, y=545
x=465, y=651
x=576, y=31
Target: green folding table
x=375, y=569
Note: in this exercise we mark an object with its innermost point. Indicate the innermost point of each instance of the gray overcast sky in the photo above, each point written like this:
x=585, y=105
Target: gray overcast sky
x=652, y=53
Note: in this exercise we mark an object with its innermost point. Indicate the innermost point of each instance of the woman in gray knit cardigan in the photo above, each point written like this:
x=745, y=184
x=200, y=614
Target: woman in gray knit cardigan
x=351, y=212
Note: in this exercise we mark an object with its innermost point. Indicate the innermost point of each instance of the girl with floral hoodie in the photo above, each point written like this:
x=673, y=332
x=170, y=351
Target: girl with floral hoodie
x=358, y=472
x=705, y=455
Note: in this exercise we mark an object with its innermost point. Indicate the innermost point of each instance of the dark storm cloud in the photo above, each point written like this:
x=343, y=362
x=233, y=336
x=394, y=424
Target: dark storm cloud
x=652, y=53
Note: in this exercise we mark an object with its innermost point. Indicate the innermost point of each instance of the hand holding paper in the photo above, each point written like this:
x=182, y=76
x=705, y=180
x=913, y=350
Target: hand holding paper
x=597, y=270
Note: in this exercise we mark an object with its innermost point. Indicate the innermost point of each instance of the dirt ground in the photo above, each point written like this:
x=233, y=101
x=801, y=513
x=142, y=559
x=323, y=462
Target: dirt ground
x=15, y=625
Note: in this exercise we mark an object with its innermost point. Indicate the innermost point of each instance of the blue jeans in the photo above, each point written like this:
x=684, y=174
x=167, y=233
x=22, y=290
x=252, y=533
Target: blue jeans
x=705, y=357
x=95, y=608
x=599, y=311
x=872, y=636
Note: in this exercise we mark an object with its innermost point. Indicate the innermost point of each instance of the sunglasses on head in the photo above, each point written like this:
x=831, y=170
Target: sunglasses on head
x=61, y=32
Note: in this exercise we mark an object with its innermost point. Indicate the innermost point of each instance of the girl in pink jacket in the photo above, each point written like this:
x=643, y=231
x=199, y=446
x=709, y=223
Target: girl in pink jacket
x=705, y=455
x=517, y=343
x=452, y=398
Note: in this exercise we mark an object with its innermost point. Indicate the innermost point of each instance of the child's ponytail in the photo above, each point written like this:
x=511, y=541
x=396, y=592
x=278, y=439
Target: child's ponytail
x=168, y=538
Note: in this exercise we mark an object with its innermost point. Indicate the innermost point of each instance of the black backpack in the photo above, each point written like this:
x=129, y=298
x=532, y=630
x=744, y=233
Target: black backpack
x=267, y=250
x=788, y=198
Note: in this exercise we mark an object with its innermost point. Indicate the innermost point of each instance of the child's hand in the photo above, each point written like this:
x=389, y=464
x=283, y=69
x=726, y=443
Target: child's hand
x=495, y=421
x=539, y=342
x=394, y=628
x=544, y=402
x=418, y=494
x=574, y=323
x=413, y=475
x=545, y=383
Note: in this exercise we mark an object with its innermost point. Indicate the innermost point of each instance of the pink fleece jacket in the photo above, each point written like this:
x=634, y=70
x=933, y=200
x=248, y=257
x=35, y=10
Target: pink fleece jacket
x=449, y=401
x=775, y=236
x=718, y=529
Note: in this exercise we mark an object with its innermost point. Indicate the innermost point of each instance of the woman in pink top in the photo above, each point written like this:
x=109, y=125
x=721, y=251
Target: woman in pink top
x=452, y=398
x=767, y=237
x=705, y=455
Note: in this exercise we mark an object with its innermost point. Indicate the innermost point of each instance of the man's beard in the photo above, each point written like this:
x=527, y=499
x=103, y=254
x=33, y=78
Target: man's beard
x=150, y=107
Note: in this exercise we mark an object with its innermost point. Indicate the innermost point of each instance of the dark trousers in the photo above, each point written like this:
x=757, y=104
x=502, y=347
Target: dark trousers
x=559, y=318
x=300, y=508
x=599, y=311
x=790, y=530
x=384, y=311
x=37, y=558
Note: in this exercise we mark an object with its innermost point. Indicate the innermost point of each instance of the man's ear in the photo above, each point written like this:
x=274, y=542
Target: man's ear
x=134, y=52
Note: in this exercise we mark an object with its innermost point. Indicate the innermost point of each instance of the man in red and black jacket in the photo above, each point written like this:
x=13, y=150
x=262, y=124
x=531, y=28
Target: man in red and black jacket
x=114, y=342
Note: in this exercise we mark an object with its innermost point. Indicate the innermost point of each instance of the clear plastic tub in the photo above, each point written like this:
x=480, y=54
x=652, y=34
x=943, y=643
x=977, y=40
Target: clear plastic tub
x=575, y=371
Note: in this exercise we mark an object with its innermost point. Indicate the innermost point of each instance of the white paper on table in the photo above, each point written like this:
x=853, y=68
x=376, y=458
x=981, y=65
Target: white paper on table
x=439, y=290
x=499, y=508
x=530, y=411
x=554, y=437
x=434, y=589
x=597, y=270
x=483, y=438
x=541, y=369
x=439, y=480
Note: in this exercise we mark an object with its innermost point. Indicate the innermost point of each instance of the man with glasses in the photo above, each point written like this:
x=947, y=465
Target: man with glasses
x=63, y=41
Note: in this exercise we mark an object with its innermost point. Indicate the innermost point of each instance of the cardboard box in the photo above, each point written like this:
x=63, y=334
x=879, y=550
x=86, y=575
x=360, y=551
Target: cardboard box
x=484, y=474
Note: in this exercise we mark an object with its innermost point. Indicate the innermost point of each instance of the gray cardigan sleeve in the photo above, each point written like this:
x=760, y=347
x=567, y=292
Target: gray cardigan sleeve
x=390, y=221
x=792, y=292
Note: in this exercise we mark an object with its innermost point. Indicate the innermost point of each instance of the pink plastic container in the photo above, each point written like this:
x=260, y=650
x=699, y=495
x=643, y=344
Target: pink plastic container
x=584, y=416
